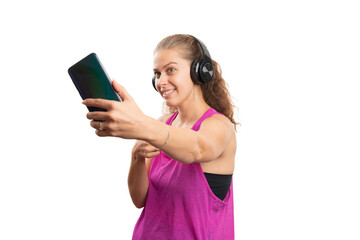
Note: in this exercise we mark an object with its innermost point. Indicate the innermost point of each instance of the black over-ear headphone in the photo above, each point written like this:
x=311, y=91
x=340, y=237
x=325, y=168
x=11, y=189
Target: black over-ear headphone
x=201, y=69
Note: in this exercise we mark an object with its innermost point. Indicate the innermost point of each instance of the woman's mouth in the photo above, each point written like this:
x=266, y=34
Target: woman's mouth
x=167, y=93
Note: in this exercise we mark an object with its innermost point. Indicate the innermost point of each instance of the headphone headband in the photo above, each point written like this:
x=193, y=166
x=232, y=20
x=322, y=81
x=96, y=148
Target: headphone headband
x=204, y=50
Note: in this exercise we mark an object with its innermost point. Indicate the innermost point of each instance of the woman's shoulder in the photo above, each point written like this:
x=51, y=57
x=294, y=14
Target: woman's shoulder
x=165, y=117
x=219, y=119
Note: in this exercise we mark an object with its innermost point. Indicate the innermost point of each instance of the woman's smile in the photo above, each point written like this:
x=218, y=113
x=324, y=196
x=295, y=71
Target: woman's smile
x=167, y=93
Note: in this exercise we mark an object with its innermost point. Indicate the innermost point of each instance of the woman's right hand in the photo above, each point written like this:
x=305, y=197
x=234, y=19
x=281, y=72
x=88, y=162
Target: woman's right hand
x=142, y=150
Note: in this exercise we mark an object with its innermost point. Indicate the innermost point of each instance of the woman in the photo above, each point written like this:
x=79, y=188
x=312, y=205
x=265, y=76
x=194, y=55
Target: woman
x=182, y=164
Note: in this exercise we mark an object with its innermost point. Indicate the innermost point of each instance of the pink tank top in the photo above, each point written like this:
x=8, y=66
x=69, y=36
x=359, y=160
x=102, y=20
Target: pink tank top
x=180, y=203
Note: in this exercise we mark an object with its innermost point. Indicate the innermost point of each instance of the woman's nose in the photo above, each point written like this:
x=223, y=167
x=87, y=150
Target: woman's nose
x=162, y=81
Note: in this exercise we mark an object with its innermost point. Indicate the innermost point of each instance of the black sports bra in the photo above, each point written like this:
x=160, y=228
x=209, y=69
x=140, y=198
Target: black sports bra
x=219, y=184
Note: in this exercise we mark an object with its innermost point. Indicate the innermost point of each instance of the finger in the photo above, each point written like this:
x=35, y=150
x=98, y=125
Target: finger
x=121, y=91
x=151, y=148
x=143, y=150
x=152, y=154
x=97, y=116
x=145, y=144
x=102, y=133
x=98, y=124
x=98, y=102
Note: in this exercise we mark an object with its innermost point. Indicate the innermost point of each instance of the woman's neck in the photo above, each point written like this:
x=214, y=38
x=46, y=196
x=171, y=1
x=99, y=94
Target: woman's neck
x=192, y=109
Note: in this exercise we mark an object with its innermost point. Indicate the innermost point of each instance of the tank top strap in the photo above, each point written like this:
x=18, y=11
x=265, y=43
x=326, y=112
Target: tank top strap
x=197, y=125
x=207, y=114
x=171, y=118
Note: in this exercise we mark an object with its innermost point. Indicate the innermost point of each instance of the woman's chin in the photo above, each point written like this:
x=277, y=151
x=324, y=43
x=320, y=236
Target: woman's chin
x=171, y=104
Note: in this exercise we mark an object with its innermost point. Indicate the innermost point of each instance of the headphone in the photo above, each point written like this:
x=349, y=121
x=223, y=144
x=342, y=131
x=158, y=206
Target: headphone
x=201, y=70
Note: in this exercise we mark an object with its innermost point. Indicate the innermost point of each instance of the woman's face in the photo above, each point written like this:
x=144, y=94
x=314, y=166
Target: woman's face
x=173, y=79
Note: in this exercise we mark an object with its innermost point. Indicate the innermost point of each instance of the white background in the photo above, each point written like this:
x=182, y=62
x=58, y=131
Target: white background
x=292, y=69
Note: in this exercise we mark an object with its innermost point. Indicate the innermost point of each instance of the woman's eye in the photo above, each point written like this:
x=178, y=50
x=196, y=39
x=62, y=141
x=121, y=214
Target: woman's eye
x=171, y=69
x=157, y=74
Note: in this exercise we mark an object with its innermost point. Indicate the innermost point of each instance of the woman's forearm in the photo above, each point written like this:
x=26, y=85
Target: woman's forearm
x=138, y=181
x=182, y=144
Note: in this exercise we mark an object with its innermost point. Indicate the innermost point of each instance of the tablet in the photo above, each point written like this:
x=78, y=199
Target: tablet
x=92, y=81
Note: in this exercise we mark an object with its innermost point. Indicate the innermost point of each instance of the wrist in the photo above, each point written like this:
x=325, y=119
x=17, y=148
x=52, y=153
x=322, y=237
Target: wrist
x=155, y=132
x=143, y=127
x=148, y=129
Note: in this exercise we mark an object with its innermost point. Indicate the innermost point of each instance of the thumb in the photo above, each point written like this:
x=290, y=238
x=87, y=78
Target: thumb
x=121, y=91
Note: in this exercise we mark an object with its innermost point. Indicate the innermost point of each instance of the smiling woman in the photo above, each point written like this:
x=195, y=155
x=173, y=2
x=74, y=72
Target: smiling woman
x=215, y=92
x=182, y=164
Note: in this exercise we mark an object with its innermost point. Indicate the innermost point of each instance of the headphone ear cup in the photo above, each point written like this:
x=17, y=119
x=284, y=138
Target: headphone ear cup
x=153, y=82
x=206, y=71
x=194, y=71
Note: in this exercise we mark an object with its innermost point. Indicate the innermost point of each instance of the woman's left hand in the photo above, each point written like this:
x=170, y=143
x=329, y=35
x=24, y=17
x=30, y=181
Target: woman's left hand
x=122, y=119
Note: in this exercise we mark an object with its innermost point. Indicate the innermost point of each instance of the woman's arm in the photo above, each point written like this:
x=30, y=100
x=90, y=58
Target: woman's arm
x=138, y=179
x=186, y=145
x=141, y=160
x=126, y=120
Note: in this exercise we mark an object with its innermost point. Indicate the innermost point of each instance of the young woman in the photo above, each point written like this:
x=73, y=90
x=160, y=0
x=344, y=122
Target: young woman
x=182, y=164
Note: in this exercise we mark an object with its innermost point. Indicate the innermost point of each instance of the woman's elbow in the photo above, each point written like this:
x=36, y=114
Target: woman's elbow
x=138, y=204
x=203, y=151
x=206, y=152
x=203, y=155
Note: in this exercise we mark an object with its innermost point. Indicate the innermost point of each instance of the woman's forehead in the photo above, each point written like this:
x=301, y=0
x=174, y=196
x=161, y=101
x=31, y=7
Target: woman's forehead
x=165, y=56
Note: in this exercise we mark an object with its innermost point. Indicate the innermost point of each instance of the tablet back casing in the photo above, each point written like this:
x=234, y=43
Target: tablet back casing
x=92, y=81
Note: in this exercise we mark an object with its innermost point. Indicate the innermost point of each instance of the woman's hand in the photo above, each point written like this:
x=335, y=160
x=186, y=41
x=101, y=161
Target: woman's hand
x=122, y=119
x=142, y=150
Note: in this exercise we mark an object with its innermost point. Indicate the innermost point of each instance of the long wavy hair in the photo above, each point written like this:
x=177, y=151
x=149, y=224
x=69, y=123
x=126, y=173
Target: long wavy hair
x=215, y=93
